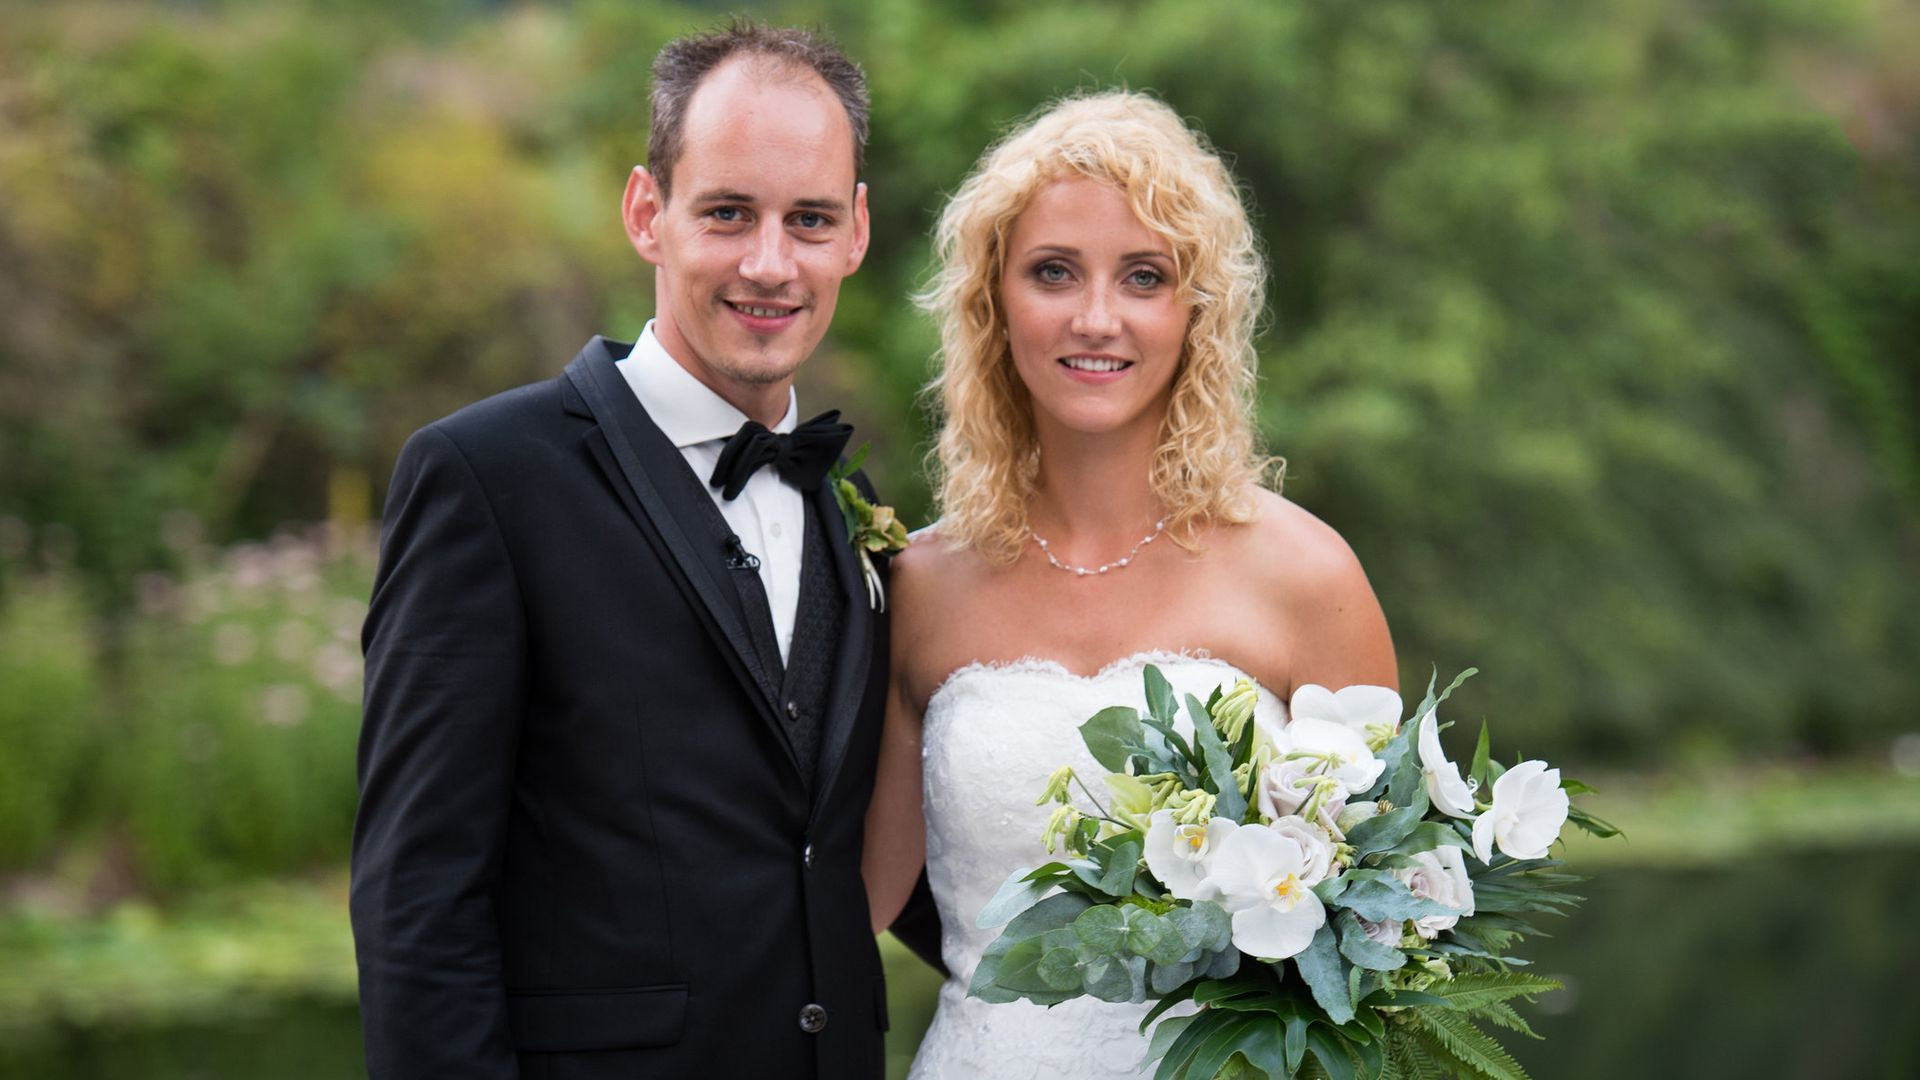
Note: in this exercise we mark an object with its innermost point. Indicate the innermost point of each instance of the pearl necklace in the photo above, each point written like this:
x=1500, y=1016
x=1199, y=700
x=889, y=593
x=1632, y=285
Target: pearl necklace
x=1118, y=564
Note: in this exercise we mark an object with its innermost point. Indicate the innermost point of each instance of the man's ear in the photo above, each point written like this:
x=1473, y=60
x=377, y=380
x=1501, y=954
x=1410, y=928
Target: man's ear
x=858, y=251
x=642, y=208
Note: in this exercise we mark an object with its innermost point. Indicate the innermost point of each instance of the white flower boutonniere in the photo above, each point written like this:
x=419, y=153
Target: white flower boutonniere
x=871, y=528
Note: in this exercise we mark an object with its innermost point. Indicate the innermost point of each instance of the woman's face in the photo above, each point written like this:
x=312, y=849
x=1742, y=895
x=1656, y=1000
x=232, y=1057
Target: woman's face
x=1092, y=318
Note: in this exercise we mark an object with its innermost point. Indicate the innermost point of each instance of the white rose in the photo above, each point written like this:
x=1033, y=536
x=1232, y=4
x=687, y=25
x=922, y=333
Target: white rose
x=1285, y=786
x=1442, y=878
x=1260, y=875
x=1529, y=807
x=1373, y=712
x=1316, y=846
x=1450, y=794
x=1181, y=856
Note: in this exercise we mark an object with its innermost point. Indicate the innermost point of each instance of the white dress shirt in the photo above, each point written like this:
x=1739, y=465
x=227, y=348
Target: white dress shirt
x=770, y=515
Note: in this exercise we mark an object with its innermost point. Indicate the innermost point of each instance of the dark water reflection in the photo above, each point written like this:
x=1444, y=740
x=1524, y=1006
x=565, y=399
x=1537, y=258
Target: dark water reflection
x=1794, y=967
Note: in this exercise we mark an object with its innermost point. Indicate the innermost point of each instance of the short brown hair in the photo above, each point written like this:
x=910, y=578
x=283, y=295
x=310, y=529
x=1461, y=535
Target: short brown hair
x=685, y=62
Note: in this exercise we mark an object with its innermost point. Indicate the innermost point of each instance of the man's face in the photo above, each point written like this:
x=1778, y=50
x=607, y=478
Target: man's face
x=764, y=221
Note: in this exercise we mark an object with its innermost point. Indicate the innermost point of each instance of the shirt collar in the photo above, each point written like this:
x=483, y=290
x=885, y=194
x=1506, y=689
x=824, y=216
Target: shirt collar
x=683, y=407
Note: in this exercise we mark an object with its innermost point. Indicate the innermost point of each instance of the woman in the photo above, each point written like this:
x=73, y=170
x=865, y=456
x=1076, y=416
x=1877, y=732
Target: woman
x=1097, y=291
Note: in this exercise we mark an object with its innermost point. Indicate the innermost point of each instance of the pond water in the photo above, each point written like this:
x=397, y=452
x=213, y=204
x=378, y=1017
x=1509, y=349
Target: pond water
x=1790, y=968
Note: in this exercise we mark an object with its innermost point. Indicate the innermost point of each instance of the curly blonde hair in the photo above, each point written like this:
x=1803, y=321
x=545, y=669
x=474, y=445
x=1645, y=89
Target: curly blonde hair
x=986, y=460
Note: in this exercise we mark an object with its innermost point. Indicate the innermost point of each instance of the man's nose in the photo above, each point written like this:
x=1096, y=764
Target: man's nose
x=770, y=261
x=1097, y=317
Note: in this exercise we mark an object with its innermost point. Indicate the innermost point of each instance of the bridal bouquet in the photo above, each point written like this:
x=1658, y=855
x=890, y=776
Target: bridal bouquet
x=1335, y=896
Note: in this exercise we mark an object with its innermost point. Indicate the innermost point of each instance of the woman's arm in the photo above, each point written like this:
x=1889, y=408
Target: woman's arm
x=896, y=845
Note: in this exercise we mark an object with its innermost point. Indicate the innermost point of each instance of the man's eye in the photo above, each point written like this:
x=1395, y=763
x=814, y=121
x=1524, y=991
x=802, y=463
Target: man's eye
x=728, y=214
x=810, y=220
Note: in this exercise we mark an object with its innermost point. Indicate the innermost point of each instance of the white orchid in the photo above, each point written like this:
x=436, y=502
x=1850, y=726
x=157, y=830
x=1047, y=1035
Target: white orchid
x=1335, y=750
x=1440, y=876
x=1529, y=807
x=1372, y=711
x=1181, y=856
x=1261, y=875
x=1450, y=793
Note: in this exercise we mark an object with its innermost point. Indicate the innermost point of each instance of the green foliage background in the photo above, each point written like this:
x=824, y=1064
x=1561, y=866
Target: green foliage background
x=1593, y=329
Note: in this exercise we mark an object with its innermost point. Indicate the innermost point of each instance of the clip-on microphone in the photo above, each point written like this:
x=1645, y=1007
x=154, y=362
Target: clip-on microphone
x=738, y=557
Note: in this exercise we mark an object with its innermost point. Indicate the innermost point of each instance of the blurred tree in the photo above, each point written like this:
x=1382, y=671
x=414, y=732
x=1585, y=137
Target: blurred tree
x=1593, y=330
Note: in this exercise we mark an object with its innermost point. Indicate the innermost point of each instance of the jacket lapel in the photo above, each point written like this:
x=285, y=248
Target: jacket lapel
x=854, y=655
x=632, y=450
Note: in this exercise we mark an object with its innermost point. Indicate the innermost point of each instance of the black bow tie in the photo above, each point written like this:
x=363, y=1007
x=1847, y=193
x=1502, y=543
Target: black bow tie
x=802, y=458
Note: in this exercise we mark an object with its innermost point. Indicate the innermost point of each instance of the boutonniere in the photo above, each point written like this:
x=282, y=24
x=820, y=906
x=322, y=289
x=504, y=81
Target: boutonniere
x=871, y=529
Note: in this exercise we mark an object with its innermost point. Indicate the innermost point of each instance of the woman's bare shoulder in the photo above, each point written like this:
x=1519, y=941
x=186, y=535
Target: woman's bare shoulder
x=1308, y=573
x=1293, y=548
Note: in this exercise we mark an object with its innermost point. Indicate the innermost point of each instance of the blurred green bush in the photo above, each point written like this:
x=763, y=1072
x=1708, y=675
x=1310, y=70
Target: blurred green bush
x=217, y=743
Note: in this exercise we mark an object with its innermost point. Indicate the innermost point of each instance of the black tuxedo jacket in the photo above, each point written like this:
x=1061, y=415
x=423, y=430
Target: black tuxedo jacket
x=584, y=847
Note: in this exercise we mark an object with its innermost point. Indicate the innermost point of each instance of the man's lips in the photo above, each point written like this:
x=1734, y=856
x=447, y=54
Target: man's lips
x=762, y=316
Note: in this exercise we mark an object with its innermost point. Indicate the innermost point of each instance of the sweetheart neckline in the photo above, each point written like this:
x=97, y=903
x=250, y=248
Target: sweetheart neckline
x=1034, y=664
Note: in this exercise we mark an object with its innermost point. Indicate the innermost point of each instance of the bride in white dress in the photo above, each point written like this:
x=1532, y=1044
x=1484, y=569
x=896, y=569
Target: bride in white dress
x=1102, y=508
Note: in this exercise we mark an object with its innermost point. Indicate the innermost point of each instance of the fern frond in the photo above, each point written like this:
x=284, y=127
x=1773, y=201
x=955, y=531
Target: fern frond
x=1501, y=1013
x=1467, y=1044
x=1475, y=991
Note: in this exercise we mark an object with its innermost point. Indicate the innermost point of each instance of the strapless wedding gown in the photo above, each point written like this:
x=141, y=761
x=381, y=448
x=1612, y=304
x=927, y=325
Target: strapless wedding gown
x=992, y=734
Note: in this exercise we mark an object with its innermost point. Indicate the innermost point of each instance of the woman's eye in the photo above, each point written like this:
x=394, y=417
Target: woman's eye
x=1052, y=273
x=1144, y=278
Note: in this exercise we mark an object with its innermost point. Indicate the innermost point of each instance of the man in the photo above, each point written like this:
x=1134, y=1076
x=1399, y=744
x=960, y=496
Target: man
x=624, y=680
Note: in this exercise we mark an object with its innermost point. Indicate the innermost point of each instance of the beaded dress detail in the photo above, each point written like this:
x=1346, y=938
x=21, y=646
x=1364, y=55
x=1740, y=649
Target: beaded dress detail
x=991, y=736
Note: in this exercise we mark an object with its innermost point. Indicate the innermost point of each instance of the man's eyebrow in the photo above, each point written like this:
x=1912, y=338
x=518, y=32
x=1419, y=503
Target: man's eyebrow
x=723, y=196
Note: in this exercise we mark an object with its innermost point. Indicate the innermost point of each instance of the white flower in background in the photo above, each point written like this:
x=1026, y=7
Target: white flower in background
x=1286, y=787
x=1372, y=711
x=1441, y=876
x=1387, y=932
x=1335, y=749
x=1181, y=856
x=1316, y=846
x=1261, y=877
x=1450, y=794
x=1529, y=807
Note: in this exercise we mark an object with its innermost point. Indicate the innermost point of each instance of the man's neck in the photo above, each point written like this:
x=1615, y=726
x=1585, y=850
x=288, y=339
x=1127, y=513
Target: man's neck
x=764, y=402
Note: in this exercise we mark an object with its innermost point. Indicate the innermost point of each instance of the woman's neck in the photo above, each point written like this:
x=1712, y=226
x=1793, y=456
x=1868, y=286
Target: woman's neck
x=1094, y=492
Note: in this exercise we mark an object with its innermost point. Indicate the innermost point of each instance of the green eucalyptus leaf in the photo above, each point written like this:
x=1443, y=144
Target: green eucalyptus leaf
x=1382, y=831
x=1379, y=896
x=1122, y=859
x=1060, y=969
x=1160, y=700
x=1429, y=835
x=1365, y=952
x=1018, y=893
x=1325, y=972
x=1112, y=735
x=1166, y=978
x=1104, y=927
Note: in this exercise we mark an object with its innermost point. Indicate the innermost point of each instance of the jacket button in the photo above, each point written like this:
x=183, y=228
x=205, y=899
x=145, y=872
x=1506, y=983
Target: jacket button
x=793, y=711
x=806, y=856
x=813, y=1019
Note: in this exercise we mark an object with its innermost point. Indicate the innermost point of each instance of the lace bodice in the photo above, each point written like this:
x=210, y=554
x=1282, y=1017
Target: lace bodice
x=992, y=734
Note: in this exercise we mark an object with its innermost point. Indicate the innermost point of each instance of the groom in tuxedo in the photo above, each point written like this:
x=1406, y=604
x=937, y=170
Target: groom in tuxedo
x=624, y=676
